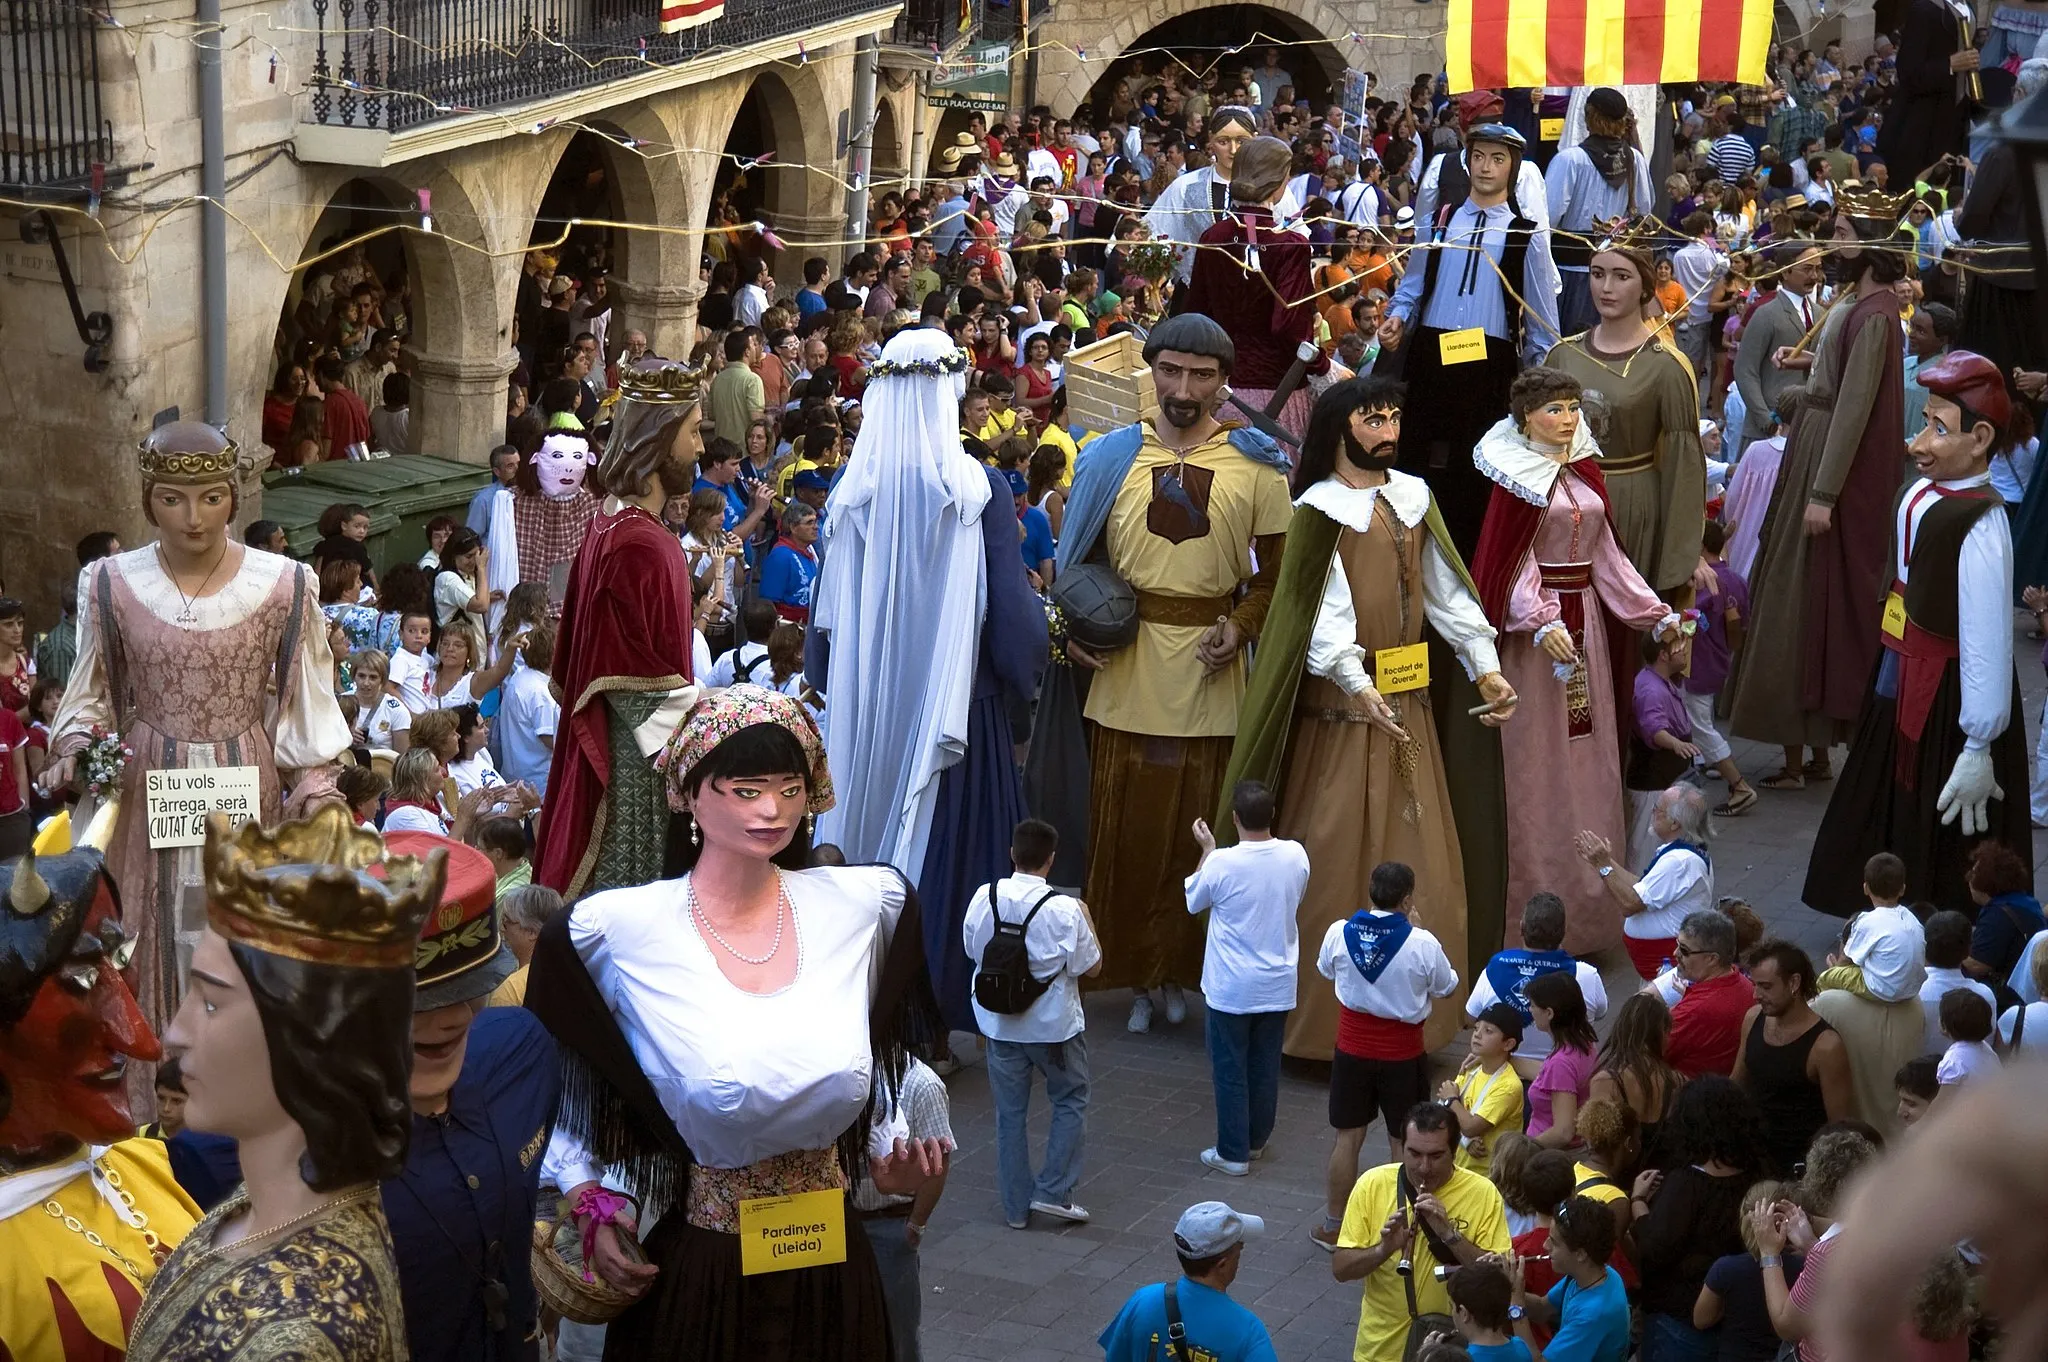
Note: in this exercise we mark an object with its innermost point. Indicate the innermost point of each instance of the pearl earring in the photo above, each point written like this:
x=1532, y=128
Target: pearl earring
x=696, y=834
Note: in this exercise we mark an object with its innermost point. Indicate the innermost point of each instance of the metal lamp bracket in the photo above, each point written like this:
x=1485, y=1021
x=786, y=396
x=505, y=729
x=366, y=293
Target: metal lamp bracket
x=39, y=228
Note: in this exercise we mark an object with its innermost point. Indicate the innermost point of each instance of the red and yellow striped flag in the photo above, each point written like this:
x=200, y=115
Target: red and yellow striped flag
x=1496, y=43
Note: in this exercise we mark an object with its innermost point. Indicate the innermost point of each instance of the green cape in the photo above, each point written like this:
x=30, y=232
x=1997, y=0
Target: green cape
x=1471, y=750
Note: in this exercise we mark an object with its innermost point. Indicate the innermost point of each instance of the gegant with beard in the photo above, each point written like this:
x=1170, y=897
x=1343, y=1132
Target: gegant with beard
x=1337, y=718
x=622, y=656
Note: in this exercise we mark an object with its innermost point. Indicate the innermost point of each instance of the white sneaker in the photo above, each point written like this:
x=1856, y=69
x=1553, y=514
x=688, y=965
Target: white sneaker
x=1176, y=1004
x=1223, y=1165
x=1258, y=1153
x=1141, y=1015
x=1071, y=1211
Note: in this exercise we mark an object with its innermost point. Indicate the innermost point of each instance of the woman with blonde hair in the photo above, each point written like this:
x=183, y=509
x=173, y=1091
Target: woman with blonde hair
x=1612, y=1140
x=1512, y=1151
x=458, y=677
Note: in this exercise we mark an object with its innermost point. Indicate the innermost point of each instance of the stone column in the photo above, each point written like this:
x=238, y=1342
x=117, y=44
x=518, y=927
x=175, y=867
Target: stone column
x=798, y=233
x=666, y=312
x=458, y=404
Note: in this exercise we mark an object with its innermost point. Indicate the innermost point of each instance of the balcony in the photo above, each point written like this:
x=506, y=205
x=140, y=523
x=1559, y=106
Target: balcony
x=395, y=79
x=54, y=141
x=928, y=30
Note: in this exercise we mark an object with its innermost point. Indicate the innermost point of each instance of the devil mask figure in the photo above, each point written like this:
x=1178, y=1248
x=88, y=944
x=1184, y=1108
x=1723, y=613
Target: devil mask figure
x=69, y=1023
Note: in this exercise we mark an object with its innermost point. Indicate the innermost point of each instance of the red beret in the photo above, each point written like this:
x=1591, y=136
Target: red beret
x=1970, y=380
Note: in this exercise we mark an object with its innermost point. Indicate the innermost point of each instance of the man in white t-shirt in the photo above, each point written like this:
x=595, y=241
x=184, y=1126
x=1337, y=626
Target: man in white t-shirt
x=529, y=713
x=749, y=661
x=1251, y=892
x=1541, y=952
x=1061, y=948
x=1678, y=880
x=1388, y=973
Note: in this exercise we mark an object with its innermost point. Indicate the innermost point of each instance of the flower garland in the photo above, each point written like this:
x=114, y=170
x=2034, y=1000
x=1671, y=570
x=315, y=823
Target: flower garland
x=103, y=760
x=957, y=362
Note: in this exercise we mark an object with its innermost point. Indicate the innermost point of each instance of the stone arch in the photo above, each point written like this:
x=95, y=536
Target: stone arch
x=1082, y=41
x=891, y=159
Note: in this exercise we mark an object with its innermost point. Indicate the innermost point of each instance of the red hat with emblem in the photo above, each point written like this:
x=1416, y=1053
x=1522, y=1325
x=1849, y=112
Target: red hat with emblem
x=1973, y=383
x=462, y=953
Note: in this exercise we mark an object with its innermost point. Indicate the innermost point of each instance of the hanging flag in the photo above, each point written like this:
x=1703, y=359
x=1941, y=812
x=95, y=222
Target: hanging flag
x=1492, y=44
x=677, y=15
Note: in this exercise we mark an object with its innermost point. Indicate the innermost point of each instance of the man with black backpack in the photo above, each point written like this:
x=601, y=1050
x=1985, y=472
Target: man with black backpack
x=749, y=661
x=1031, y=945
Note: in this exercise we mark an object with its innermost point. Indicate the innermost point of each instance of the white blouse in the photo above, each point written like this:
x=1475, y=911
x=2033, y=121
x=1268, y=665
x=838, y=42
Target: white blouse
x=745, y=1076
x=1449, y=606
x=1984, y=571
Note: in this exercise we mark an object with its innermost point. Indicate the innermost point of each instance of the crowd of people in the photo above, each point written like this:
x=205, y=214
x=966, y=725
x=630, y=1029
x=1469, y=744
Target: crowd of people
x=785, y=712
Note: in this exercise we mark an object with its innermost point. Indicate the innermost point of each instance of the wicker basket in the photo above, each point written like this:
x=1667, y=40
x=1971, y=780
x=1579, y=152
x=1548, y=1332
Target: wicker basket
x=1109, y=385
x=558, y=1270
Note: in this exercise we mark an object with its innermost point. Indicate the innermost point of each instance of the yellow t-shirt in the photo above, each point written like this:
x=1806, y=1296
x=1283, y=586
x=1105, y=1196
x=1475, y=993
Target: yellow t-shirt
x=1065, y=444
x=1156, y=685
x=1495, y=1097
x=1604, y=1187
x=43, y=1255
x=1476, y=1212
x=999, y=424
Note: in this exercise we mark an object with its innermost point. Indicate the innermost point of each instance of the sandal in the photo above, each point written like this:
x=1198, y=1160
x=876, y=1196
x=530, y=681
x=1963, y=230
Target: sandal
x=1786, y=779
x=1737, y=804
x=1819, y=769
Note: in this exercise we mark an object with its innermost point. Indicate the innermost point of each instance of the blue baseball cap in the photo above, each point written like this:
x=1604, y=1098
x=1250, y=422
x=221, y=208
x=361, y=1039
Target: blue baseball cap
x=1019, y=484
x=811, y=480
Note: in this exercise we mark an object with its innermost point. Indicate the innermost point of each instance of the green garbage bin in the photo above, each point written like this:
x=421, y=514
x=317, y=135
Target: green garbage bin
x=401, y=493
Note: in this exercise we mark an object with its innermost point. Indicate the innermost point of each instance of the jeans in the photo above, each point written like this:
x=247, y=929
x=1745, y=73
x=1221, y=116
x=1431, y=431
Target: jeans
x=898, y=1262
x=1696, y=342
x=1244, y=1065
x=1667, y=1338
x=1065, y=1066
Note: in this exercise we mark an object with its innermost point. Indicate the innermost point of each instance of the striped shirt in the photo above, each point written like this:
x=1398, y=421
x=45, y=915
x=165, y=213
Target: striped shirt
x=1732, y=157
x=923, y=1101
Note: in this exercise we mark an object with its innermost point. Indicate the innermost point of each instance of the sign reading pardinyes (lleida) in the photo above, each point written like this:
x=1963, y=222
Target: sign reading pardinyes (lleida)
x=179, y=800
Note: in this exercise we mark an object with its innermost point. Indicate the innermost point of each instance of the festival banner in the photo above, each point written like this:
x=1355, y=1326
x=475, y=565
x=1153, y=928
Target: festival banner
x=1492, y=44
x=677, y=15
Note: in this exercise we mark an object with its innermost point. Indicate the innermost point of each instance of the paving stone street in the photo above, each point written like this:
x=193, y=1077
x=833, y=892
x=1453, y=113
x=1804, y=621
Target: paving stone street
x=993, y=1294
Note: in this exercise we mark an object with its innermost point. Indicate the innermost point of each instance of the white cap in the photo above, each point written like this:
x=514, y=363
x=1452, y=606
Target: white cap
x=1208, y=1228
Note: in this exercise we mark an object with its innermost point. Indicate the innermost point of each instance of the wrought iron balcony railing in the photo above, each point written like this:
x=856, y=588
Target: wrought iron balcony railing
x=936, y=25
x=53, y=136
x=392, y=64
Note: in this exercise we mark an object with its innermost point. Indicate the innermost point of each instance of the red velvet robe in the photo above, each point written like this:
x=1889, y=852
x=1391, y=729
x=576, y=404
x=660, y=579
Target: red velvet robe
x=625, y=628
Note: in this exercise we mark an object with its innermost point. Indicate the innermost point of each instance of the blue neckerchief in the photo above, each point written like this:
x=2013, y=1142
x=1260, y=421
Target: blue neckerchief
x=1374, y=939
x=1511, y=970
x=1700, y=852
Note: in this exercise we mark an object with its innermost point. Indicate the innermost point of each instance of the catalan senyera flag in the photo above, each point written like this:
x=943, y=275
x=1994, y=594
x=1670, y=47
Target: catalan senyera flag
x=1501, y=43
x=677, y=15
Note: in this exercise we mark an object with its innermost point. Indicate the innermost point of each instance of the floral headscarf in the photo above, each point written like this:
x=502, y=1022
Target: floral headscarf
x=723, y=713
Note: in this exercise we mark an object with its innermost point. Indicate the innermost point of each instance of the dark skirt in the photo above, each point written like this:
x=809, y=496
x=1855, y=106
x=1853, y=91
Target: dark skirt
x=702, y=1309
x=980, y=803
x=2004, y=326
x=1873, y=809
x=1446, y=412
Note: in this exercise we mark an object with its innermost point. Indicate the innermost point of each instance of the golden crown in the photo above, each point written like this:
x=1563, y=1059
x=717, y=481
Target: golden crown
x=1868, y=201
x=301, y=890
x=189, y=452
x=662, y=381
x=1632, y=234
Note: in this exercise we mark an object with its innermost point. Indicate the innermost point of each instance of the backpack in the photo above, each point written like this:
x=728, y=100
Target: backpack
x=746, y=669
x=1002, y=981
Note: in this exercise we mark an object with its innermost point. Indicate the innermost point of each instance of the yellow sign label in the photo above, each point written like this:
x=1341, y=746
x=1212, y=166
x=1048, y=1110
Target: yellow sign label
x=1895, y=615
x=1550, y=129
x=1462, y=347
x=778, y=1233
x=1399, y=669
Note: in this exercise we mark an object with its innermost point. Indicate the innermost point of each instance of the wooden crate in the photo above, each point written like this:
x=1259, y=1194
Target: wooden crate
x=1109, y=385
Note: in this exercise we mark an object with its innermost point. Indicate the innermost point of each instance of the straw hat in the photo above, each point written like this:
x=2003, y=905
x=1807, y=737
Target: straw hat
x=965, y=144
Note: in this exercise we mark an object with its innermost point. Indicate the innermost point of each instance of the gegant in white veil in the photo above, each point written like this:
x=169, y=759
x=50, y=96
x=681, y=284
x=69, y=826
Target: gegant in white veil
x=900, y=600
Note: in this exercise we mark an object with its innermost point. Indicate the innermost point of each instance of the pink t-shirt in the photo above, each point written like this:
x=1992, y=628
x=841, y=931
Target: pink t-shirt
x=1807, y=1290
x=1564, y=1070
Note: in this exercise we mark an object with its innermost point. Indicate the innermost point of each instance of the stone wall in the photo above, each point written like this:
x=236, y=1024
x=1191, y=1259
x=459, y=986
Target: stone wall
x=72, y=435
x=1396, y=38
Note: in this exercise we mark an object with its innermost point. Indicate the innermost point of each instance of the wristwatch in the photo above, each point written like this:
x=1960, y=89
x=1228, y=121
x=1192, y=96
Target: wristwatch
x=1606, y=870
x=1515, y=1313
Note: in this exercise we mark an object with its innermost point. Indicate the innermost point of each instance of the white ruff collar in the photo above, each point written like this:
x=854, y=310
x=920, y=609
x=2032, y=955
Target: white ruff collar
x=1505, y=455
x=1407, y=496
